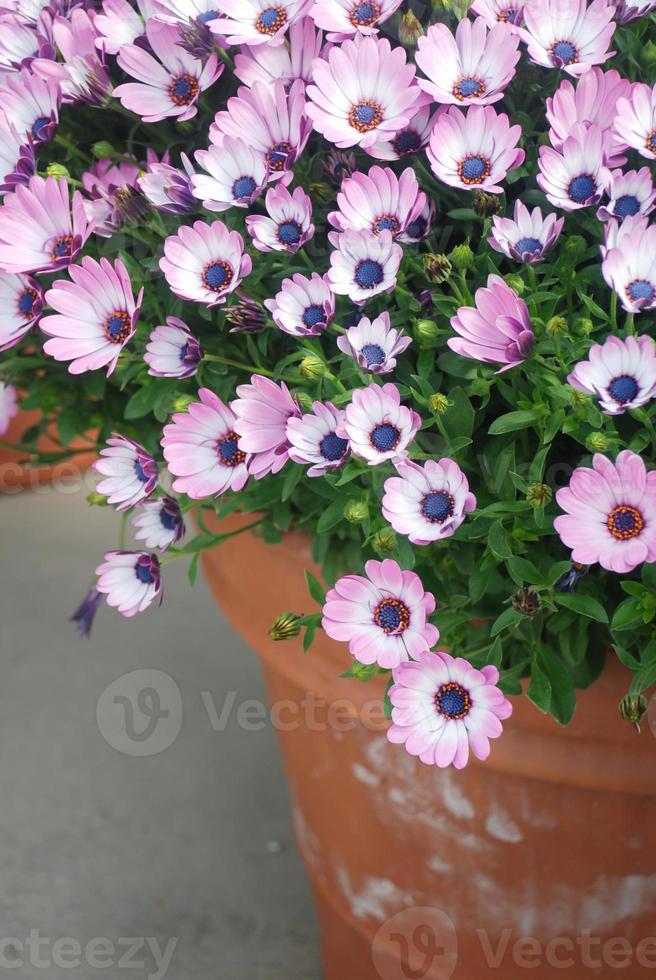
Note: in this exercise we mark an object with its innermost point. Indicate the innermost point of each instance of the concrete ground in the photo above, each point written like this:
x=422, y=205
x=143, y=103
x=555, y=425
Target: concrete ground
x=146, y=814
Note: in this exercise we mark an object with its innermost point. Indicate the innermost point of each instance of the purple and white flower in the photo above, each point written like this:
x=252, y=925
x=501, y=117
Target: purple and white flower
x=621, y=374
x=574, y=176
x=21, y=302
x=303, y=307
x=497, y=330
x=236, y=175
x=635, y=122
x=630, y=268
x=130, y=580
x=113, y=194
x=256, y=21
x=628, y=194
x=429, y=502
x=616, y=232
x=120, y=24
x=474, y=150
x=413, y=137
x=81, y=74
x=527, y=236
x=374, y=344
x=287, y=226
x=378, y=201
x=168, y=188
x=263, y=409
x=572, y=36
x=591, y=102
x=172, y=350
x=378, y=426
x=288, y=62
x=158, y=523
x=30, y=105
x=17, y=158
x=364, y=264
x=509, y=12
x=205, y=263
x=344, y=18
x=19, y=44
x=313, y=438
x=628, y=10
x=130, y=473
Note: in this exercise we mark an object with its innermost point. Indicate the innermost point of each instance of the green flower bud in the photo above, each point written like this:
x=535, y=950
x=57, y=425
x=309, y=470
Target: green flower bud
x=57, y=170
x=575, y=247
x=426, y=331
x=410, y=30
x=285, y=627
x=515, y=282
x=96, y=499
x=363, y=672
x=102, y=149
x=305, y=401
x=462, y=257
x=356, y=511
x=539, y=494
x=579, y=399
x=313, y=367
x=384, y=541
x=557, y=325
x=526, y=602
x=485, y=205
x=322, y=191
x=437, y=267
x=633, y=708
x=597, y=442
x=182, y=403
x=584, y=325
x=438, y=403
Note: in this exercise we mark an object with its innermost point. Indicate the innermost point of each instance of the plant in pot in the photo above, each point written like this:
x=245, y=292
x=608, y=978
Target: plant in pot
x=370, y=310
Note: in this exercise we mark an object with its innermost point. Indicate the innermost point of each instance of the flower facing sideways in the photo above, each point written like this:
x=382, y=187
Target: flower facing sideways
x=497, y=330
x=130, y=580
x=130, y=473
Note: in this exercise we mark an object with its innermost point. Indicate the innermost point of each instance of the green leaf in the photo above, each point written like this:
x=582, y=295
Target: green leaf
x=332, y=515
x=512, y=422
x=583, y=604
x=563, y=695
x=498, y=541
x=314, y=588
x=626, y=614
x=509, y=617
x=523, y=571
x=458, y=420
x=192, y=571
x=539, y=690
x=292, y=477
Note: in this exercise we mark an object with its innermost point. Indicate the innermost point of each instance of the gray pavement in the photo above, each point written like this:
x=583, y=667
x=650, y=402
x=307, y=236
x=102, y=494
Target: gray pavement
x=107, y=858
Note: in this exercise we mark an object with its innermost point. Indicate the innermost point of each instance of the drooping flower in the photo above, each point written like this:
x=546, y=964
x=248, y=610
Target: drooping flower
x=443, y=708
x=628, y=194
x=509, y=12
x=421, y=226
x=236, y=175
x=205, y=263
x=85, y=613
x=413, y=137
x=378, y=426
x=616, y=232
x=168, y=188
x=262, y=410
x=172, y=350
x=130, y=473
x=574, y=177
x=30, y=105
x=382, y=617
x=378, y=201
x=374, y=344
x=96, y=315
x=159, y=523
x=635, y=122
x=303, y=307
x=168, y=85
x=364, y=264
x=130, y=579
x=119, y=23
x=256, y=22
x=39, y=232
x=429, y=502
x=474, y=150
x=273, y=120
x=527, y=236
x=621, y=374
x=287, y=226
x=183, y=13
x=21, y=302
x=572, y=36
x=628, y=10
x=114, y=194
x=8, y=406
x=610, y=513
x=344, y=18
x=17, y=159
x=497, y=330
x=201, y=449
x=313, y=439
x=630, y=269
x=592, y=102
x=288, y=62
x=474, y=67
x=362, y=93
x=81, y=74
x=245, y=315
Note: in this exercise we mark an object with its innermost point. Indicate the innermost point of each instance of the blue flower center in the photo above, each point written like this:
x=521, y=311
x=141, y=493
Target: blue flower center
x=364, y=14
x=365, y=115
x=627, y=205
x=453, y=701
x=468, y=87
x=368, y=273
x=139, y=470
x=168, y=519
x=313, y=314
x=387, y=223
x=144, y=573
x=625, y=522
x=183, y=89
x=581, y=188
x=271, y=20
x=529, y=245
x=407, y=141
x=640, y=289
x=385, y=437
x=393, y=616
x=436, y=506
x=373, y=354
x=417, y=228
x=508, y=16
x=207, y=16
x=289, y=232
x=651, y=142
x=623, y=388
x=228, y=451
x=117, y=327
x=243, y=187
x=61, y=247
x=278, y=155
x=184, y=350
x=564, y=52
x=473, y=169
x=38, y=125
x=26, y=302
x=332, y=447
x=217, y=276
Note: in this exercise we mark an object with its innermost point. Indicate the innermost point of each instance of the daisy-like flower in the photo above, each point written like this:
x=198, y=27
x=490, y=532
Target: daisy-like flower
x=30, y=105
x=374, y=344
x=96, y=315
x=635, y=122
x=443, y=709
x=81, y=74
x=303, y=307
x=39, y=232
x=8, y=406
x=344, y=18
x=592, y=102
x=574, y=176
x=497, y=330
x=236, y=175
x=610, y=513
x=288, y=62
x=273, y=120
x=313, y=439
x=19, y=43
x=287, y=226
x=364, y=264
x=21, y=302
x=17, y=159
x=382, y=617
x=263, y=409
x=509, y=12
x=630, y=267
x=474, y=150
x=205, y=263
x=572, y=36
x=628, y=10
x=245, y=315
x=168, y=188
x=201, y=449
x=364, y=92
x=168, y=85
x=119, y=23
x=256, y=22
x=421, y=226
x=429, y=502
x=172, y=350
x=378, y=201
x=629, y=194
x=527, y=236
x=621, y=374
x=472, y=68
x=159, y=523
x=130, y=579
x=130, y=473
x=378, y=426
x=114, y=195
x=186, y=12
x=413, y=137
x=616, y=232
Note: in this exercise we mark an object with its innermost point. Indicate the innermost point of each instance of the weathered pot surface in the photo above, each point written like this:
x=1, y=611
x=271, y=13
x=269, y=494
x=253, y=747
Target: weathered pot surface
x=16, y=473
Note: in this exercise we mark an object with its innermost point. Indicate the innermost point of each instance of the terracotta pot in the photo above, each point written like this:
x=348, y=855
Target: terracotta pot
x=543, y=856
x=17, y=474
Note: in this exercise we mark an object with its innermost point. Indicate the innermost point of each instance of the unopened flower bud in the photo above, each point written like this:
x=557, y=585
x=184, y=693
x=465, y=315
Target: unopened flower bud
x=437, y=267
x=356, y=511
x=438, y=403
x=384, y=541
x=557, y=325
x=426, y=331
x=321, y=191
x=462, y=257
x=57, y=170
x=584, y=325
x=102, y=150
x=526, y=602
x=539, y=494
x=579, y=399
x=597, y=442
x=575, y=247
x=96, y=499
x=312, y=367
x=485, y=205
x=182, y=403
x=410, y=30
x=633, y=708
x=285, y=627
x=363, y=672
x=515, y=282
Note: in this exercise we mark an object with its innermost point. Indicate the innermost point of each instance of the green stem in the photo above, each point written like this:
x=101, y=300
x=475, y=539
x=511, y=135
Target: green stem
x=238, y=364
x=218, y=539
x=613, y=311
x=630, y=325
